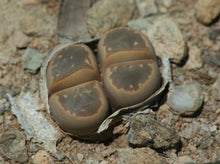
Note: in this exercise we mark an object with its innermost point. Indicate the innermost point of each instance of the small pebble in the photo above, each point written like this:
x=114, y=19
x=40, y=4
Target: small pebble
x=20, y=39
x=195, y=60
x=213, y=128
x=185, y=160
x=213, y=59
x=7, y=119
x=190, y=131
x=92, y=160
x=138, y=155
x=146, y=7
x=80, y=157
x=217, y=138
x=33, y=148
x=145, y=130
x=207, y=11
x=3, y=161
x=4, y=105
x=205, y=142
x=104, y=162
x=207, y=42
x=98, y=17
x=212, y=73
x=163, y=5
x=107, y=152
x=12, y=145
x=165, y=35
x=33, y=85
x=217, y=159
x=37, y=22
x=204, y=129
x=179, y=73
x=167, y=3
x=139, y=24
x=214, y=34
x=185, y=99
x=216, y=88
x=216, y=48
x=42, y=157
x=32, y=60
x=5, y=89
x=1, y=119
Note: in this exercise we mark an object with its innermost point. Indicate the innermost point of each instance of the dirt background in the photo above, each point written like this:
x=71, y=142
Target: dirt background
x=13, y=43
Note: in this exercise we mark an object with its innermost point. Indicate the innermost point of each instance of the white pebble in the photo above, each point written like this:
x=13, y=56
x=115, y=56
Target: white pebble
x=185, y=99
x=213, y=128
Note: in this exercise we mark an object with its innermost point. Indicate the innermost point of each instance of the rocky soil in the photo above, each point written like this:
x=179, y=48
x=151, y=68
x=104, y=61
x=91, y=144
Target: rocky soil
x=185, y=128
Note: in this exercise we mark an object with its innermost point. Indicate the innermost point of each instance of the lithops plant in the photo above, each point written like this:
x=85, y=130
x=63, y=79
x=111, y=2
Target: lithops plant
x=76, y=99
x=71, y=65
x=129, y=67
x=86, y=100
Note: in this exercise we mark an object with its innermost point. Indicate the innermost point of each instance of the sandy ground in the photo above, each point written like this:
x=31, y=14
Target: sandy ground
x=13, y=43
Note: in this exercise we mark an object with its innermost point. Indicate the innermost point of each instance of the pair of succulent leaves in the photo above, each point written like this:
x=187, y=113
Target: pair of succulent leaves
x=80, y=98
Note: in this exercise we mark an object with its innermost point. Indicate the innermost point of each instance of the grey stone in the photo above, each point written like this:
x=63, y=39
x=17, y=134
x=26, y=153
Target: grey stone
x=33, y=148
x=218, y=154
x=207, y=11
x=163, y=5
x=42, y=157
x=138, y=155
x=203, y=158
x=167, y=39
x=20, y=39
x=31, y=60
x=139, y=24
x=185, y=99
x=205, y=142
x=185, y=160
x=107, y=152
x=1, y=119
x=37, y=22
x=33, y=85
x=92, y=160
x=146, y=7
x=145, y=130
x=5, y=89
x=195, y=60
x=7, y=119
x=79, y=157
x=3, y=161
x=216, y=88
x=212, y=73
x=190, y=131
x=167, y=3
x=105, y=15
x=59, y=155
x=12, y=145
x=213, y=59
x=213, y=128
x=4, y=105
x=179, y=73
x=217, y=138
x=213, y=35
x=204, y=129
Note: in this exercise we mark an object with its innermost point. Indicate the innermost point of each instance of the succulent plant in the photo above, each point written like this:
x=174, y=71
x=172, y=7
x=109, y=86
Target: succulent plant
x=82, y=93
x=129, y=67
